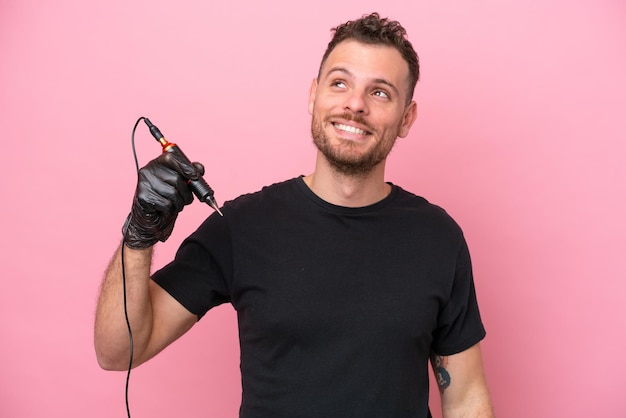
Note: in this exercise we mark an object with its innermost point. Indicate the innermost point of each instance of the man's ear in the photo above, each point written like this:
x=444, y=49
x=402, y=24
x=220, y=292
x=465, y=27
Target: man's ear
x=410, y=114
x=312, y=92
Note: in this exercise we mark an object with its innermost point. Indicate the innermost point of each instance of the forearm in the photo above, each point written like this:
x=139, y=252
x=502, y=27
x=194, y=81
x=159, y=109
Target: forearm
x=111, y=338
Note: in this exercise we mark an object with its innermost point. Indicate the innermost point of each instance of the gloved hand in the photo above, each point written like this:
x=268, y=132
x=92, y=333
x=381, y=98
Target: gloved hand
x=162, y=192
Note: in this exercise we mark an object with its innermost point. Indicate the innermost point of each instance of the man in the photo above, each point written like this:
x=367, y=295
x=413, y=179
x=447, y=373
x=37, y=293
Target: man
x=344, y=285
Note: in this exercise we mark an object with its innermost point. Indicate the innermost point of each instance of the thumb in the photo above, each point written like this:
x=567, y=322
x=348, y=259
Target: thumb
x=199, y=168
x=177, y=161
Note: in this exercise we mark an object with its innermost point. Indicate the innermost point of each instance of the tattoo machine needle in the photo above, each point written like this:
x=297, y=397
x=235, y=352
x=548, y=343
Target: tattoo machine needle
x=199, y=187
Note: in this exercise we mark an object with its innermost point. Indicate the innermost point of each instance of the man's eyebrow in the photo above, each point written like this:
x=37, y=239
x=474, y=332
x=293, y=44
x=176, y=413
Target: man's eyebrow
x=387, y=83
x=376, y=80
x=338, y=69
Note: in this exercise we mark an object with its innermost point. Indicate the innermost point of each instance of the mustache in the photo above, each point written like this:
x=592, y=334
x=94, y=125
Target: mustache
x=352, y=118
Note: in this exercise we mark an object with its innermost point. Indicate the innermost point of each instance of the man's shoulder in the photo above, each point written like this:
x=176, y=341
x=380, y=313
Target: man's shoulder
x=420, y=208
x=266, y=195
x=410, y=200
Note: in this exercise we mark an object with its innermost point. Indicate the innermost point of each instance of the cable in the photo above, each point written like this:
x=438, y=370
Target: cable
x=132, y=137
x=130, y=331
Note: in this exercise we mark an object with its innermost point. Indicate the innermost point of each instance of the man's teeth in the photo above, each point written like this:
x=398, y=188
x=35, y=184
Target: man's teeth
x=350, y=129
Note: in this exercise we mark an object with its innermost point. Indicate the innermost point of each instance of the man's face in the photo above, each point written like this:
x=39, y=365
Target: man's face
x=358, y=106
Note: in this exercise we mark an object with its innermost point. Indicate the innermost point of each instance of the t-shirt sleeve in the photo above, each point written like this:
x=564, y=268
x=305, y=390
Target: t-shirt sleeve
x=459, y=325
x=196, y=277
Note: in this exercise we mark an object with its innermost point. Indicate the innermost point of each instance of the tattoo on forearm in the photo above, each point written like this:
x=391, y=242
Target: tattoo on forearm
x=441, y=373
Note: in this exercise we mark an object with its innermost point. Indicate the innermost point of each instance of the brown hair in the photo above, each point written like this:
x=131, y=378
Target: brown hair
x=374, y=30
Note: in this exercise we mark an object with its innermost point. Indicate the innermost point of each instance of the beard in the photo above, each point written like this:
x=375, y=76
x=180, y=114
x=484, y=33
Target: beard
x=345, y=156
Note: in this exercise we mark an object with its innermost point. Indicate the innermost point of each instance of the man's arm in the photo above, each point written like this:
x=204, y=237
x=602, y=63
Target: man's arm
x=156, y=318
x=462, y=384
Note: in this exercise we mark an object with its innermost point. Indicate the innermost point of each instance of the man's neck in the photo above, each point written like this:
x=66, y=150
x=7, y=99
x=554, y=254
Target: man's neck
x=348, y=190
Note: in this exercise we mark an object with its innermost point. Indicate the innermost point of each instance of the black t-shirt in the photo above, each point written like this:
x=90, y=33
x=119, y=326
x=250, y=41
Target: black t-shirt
x=338, y=308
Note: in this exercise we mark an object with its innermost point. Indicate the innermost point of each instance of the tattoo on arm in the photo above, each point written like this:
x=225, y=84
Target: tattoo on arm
x=441, y=373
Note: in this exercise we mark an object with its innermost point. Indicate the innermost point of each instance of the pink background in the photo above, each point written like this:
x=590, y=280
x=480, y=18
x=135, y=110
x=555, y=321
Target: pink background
x=520, y=137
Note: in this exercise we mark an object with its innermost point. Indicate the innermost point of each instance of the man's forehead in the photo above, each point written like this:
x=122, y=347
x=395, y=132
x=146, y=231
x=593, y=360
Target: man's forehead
x=375, y=61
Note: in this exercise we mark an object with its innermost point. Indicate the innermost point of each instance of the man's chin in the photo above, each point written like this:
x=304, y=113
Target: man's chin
x=351, y=166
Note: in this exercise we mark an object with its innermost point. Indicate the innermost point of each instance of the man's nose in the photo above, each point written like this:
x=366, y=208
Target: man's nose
x=356, y=102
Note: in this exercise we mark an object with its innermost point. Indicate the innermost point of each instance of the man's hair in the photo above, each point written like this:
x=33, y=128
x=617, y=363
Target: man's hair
x=374, y=30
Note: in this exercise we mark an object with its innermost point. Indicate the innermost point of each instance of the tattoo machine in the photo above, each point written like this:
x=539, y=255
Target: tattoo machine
x=199, y=187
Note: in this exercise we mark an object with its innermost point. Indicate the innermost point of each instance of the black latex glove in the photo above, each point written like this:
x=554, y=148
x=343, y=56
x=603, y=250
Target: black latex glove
x=162, y=192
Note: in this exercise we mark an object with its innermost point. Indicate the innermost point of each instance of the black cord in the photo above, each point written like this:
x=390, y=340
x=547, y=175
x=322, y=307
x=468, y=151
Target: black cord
x=130, y=331
x=132, y=137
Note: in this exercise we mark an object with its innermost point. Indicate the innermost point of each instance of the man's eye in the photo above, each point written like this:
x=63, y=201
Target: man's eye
x=339, y=84
x=381, y=93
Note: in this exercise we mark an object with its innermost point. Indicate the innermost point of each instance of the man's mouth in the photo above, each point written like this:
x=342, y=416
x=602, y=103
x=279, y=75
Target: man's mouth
x=350, y=129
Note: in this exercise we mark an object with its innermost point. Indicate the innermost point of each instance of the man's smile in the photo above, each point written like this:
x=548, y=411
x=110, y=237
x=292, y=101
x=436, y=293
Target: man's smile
x=350, y=129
